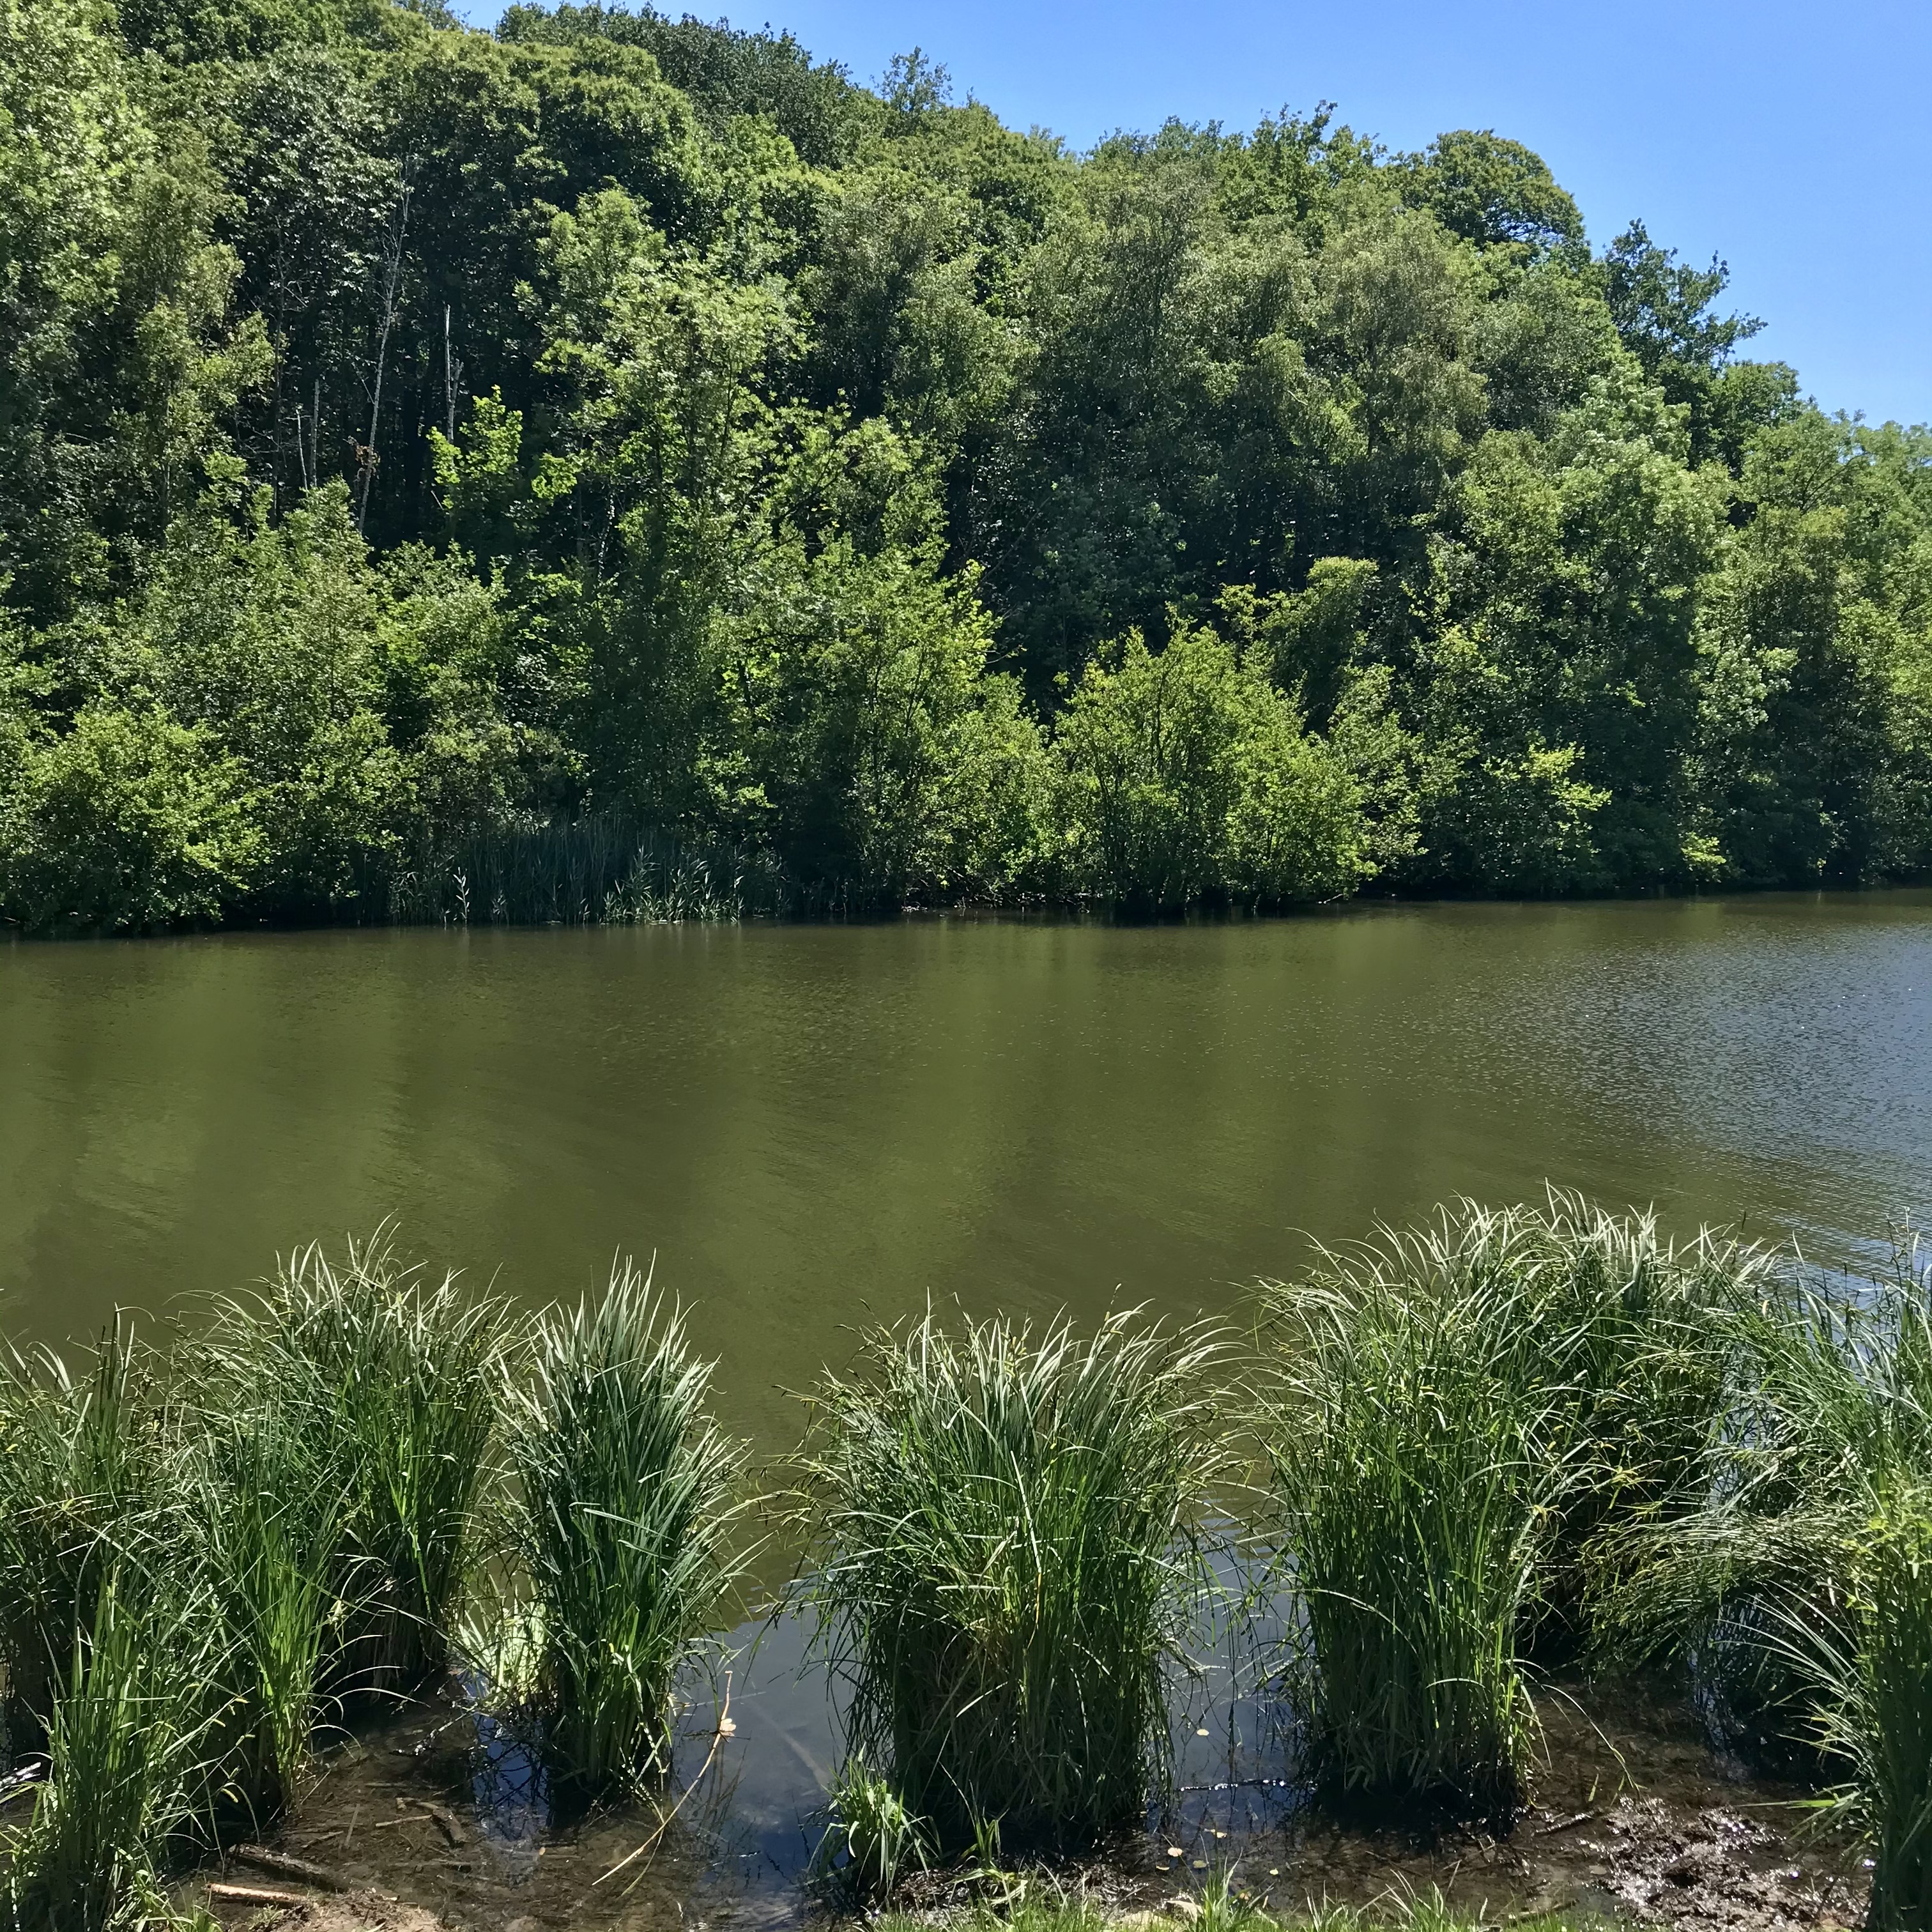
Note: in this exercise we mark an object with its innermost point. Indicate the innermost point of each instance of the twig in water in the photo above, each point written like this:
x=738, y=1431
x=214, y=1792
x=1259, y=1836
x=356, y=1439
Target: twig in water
x=1565, y=1825
x=725, y=1728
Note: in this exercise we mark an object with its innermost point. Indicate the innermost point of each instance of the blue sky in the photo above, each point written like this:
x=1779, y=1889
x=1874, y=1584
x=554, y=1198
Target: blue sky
x=1793, y=139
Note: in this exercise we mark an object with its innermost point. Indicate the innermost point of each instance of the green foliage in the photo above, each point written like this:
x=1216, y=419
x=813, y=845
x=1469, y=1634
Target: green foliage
x=77, y=1461
x=775, y=464
x=879, y=758
x=1495, y=193
x=121, y=1749
x=1412, y=1459
x=619, y=1527
x=1008, y=1552
x=129, y=821
x=393, y=1385
x=256, y=1520
x=871, y=1837
x=1472, y=1425
x=1187, y=776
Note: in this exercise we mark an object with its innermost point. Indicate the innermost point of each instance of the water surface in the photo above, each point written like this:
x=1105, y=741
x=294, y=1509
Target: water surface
x=812, y=1127
x=815, y=1127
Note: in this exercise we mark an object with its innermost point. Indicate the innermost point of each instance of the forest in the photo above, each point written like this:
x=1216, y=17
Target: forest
x=620, y=467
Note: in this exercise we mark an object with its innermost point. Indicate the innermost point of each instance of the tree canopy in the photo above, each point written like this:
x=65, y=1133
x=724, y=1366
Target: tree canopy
x=409, y=434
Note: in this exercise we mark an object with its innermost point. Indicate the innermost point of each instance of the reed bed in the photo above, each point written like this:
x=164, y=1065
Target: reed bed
x=1009, y=1557
x=1509, y=1433
x=602, y=869
x=394, y=1384
x=620, y=1527
x=1468, y=1422
x=1412, y=1459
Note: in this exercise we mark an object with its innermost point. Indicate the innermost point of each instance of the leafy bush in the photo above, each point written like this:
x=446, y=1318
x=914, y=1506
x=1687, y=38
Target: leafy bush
x=129, y=822
x=1185, y=776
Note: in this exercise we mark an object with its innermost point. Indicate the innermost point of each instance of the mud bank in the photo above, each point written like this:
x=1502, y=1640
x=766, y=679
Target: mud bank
x=431, y=1822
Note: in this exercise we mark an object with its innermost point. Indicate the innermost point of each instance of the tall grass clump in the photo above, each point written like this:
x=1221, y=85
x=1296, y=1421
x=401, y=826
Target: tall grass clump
x=1800, y=1592
x=76, y=1454
x=1414, y=1460
x=1875, y=1702
x=621, y=1525
x=394, y=1384
x=1632, y=1333
x=123, y=1736
x=254, y=1520
x=1009, y=1556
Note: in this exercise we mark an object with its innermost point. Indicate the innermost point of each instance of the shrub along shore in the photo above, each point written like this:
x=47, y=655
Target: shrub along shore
x=430, y=455
x=1499, y=1446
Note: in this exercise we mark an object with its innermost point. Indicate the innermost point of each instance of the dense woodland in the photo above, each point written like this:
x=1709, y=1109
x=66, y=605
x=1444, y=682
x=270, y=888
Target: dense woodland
x=419, y=446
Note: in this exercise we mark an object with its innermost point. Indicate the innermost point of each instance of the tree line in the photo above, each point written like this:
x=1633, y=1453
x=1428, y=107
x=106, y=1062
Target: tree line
x=410, y=435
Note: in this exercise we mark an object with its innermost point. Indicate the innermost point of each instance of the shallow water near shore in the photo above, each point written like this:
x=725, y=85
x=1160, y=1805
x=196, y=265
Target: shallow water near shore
x=1634, y=1816
x=812, y=1128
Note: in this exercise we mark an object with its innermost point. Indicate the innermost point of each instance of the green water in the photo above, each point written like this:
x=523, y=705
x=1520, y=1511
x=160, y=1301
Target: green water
x=812, y=1126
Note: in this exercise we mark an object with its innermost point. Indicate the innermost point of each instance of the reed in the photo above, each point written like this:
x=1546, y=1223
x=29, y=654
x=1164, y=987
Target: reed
x=602, y=869
x=1875, y=1702
x=1633, y=1335
x=1830, y=1396
x=1009, y=1557
x=123, y=1740
x=255, y=1520
x=76, y=1457
x=1413, y=1457
x=621, y=1525
x=395, y=1384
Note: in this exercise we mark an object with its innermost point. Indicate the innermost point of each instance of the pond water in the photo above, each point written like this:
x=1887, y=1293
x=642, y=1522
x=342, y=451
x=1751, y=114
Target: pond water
x=813, y=1128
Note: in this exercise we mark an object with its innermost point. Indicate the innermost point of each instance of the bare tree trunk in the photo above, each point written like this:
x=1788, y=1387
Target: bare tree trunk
x=392, y=281
x=449, y=380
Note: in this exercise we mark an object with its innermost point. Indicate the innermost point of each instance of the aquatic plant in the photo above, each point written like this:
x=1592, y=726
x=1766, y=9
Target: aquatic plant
x=1800, y=1590
x=255, y=1521
x=620, y=1526
x=395, y=1385
x=1633, y=1335
x=123, y=1737
x=1414, y=1461
x=870, y=1838
x=76, y=1455
x=1008, y=1556
x=1875, y=1702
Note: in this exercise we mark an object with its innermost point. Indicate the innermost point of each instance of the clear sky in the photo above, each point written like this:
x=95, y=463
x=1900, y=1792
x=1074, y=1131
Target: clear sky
x=1791, y=137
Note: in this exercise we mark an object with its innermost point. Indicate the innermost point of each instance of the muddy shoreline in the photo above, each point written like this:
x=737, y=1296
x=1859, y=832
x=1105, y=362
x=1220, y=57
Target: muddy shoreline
x=431, y=1820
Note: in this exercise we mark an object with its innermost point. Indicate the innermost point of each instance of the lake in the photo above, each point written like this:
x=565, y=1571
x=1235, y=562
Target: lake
x=814, y=1127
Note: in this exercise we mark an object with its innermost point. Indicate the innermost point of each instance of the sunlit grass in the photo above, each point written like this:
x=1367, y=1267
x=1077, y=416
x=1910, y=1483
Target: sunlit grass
x=621, y=1524
x=394, y=1383
x=1007, y=1556
x=1413, y=1462
x=77, y=1453
x=124, y=1740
